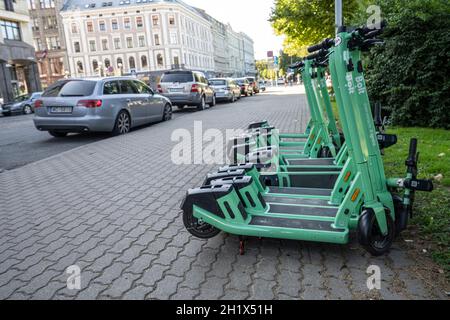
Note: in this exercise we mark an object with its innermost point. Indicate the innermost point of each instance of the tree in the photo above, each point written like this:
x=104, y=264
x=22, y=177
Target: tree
x=306, y=22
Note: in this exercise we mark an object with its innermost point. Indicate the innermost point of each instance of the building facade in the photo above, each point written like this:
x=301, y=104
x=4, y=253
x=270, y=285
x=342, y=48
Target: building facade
x=18, y=67
x=249, y=55
x=48, y=39
x=135, y=36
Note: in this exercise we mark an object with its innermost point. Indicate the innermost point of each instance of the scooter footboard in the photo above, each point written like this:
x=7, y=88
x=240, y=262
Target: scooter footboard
x=220, y=201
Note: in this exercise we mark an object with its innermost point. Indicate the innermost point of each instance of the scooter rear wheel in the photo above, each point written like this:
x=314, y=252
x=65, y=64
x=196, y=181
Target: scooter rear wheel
x=198, y=228
x=369, y=235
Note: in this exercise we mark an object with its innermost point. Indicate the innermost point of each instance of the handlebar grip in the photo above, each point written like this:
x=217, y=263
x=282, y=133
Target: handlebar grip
x=314, y=56
x=315, y=47
x=412, y=149
x=297, y=65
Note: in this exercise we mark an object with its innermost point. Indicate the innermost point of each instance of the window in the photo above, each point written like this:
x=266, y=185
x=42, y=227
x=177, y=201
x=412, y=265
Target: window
x=127, y=23
x=71, y=88
x=90, y=26
x=107, y=63
x=102, y=26
x=114, y=25
x=53, y=43
x=9, y=5
x=74, y=28
x=132, y=63
x=10, y=30
x=157, y=43
x=105, y=44
x=111, y=87
x=171, y=20
x=176, y=60
x=129, y=42
x=116, y=43
x=155, y=20
x=35, y=24
x=38, y=44
x=139, y=22
x=173, y=38
x=144, y=62
x=50, y=22
x=31, y=4
x=119, y=63
x=141, y=41
x=160, y=60
x=47, y=4
x=76, y=47
x=142, y=88
x=80, y=67
x=94, y=65
x=127, y=87
x=92, y=46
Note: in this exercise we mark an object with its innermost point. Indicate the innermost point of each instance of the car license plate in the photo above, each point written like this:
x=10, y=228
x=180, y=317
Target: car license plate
x=61, y=109
x=176, y=90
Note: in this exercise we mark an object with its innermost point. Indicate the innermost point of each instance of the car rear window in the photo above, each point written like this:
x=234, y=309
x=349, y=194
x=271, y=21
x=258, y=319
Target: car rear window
x=218, y=82
x=181, y=77
x=73, y=88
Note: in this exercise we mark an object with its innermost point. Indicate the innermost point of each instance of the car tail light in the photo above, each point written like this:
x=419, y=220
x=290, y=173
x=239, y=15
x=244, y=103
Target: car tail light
x=195, y=88
x=159, y=88
x=38, y=104
x=90, y=103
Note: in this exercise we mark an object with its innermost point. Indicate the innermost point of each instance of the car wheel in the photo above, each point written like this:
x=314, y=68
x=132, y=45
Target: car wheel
x=167, y=112
x=58, y=134
x=202, y=105
x=213, y=102
x=233, y=98
x=27, y=109
x=123, y=124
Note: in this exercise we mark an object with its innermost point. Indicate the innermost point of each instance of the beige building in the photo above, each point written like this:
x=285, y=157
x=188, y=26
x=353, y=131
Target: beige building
x=18, y=68
x=48, y=39
x=135, y=36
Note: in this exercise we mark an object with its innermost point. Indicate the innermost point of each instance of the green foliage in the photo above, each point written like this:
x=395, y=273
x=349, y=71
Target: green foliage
x=306, y=22
x=409, y=74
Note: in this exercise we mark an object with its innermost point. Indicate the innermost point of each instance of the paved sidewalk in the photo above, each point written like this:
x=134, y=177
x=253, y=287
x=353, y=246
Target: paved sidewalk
x=112, y=208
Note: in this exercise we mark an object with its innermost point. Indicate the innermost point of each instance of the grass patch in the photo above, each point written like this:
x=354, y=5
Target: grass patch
x=431, y=210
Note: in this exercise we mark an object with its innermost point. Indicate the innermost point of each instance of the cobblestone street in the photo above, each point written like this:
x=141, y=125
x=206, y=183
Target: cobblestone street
x=112, y=208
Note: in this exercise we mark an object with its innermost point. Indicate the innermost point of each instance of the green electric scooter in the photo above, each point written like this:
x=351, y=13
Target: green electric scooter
x=238, y=205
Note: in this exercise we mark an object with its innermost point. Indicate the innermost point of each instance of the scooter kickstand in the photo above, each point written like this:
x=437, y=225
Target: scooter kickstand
x=241, y=246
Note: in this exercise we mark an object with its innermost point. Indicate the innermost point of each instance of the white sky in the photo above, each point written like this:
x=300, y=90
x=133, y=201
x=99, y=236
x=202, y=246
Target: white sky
x=249, y=16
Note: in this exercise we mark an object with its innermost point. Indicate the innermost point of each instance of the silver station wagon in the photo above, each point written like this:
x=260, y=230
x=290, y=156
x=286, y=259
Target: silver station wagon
x=99, y=105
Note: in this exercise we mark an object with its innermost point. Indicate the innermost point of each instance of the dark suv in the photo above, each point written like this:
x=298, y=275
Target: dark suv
x=187, y=88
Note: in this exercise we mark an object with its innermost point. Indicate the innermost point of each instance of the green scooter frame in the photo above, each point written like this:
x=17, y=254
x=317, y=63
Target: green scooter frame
x=244, y=206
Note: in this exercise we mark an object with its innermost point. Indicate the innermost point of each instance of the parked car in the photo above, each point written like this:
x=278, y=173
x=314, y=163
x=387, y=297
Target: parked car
x=225, y=89
x=246, y=87
x=187, y=88
x=281, y=82
x=254, y=84
x=262, y=85
x=114, y=104
x=22, y=104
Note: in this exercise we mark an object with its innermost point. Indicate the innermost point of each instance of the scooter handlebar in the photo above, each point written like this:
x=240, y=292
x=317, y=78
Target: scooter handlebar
x=298, y=64
x=319, y=54
x=372, y=28
x=325, y=44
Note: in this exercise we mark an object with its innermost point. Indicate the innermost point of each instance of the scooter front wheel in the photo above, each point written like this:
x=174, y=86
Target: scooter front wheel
x=369, y=234
x=198, y=228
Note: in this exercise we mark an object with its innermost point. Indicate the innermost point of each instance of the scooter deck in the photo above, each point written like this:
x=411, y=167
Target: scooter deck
x=289, y=200
x=299, y=210
x=310, y=162
x=312, y=225
x=301, y=191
